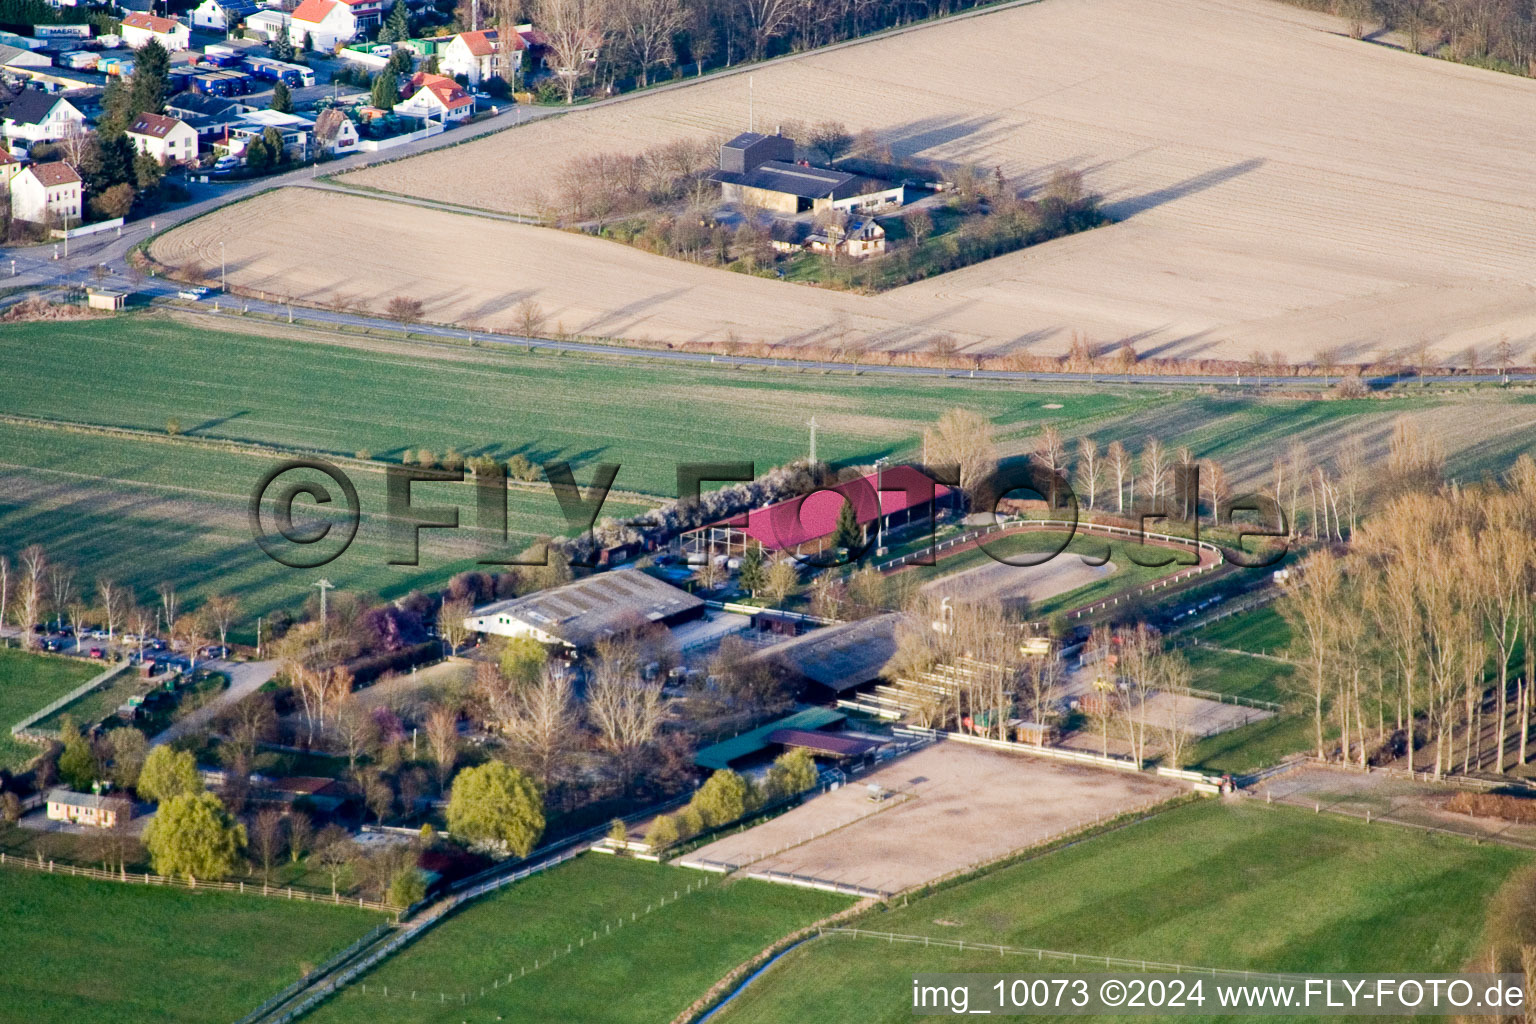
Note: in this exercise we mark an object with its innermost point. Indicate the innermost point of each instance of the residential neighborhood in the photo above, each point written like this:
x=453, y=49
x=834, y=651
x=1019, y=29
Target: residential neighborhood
x=693, y=512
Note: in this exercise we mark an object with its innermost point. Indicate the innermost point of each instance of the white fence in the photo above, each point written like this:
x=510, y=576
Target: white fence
x=23, y=728
x=1058, y=753
x=374, y=145
x=144, y=878
x=88, y=229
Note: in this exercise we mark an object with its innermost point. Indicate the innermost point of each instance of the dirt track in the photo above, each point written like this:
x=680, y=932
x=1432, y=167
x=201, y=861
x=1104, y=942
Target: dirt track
x=995, y=581
x=1279, y=187
x=960, y=805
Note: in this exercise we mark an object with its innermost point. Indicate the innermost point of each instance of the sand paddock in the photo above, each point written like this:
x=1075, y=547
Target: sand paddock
x=1279, y=186
x=955, y=805
x=999, y=582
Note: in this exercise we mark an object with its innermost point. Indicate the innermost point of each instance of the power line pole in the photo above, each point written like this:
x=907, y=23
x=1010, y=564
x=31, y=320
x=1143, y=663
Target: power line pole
x=324, y=586
x=812, y=425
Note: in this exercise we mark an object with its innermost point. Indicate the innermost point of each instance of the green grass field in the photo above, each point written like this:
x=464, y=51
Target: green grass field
x=648, y=970
x=80, y=950
x=1212, y=884
x=1259, y=631
x=1241, y=675
x=497, y=399
x=145, y=511
x=27, y=683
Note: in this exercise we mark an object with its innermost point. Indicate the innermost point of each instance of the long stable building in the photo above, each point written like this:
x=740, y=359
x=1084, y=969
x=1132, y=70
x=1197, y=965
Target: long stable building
x=898, y=497
x=582, y=612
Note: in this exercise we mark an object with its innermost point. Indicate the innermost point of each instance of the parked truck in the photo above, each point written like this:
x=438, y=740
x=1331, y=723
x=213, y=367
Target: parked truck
x=294, y=76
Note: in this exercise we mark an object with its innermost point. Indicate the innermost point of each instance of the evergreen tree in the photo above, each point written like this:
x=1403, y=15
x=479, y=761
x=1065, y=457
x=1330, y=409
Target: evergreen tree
x=150, y=80
x=282, y=98
x=848, y=534
x=752, y=575
x=397, y=27
x=386, y=90
x=401, y=62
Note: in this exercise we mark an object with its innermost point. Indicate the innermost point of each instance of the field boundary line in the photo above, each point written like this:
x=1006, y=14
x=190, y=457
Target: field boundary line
x=539, y=963
x=1496, y=838
x=145, y=878
x=23, y=730
x=722, y=991
x=1076, y=959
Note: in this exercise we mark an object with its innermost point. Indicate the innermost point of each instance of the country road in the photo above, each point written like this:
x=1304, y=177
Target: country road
x=245, y=678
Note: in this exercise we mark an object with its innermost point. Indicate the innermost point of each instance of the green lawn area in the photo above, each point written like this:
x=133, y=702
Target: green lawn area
x=498, y=400
x=1260, y=631
x=648, y=970
x=1251, y=747
x=144, y=512
x=28, y=682
x=81, y=950
x=1240, y=675
x=1211, y=884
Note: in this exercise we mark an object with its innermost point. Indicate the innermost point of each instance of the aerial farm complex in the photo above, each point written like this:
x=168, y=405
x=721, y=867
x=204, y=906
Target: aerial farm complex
x=666, y=511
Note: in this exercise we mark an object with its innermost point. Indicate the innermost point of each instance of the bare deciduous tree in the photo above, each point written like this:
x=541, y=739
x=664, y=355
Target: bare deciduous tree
x=573, y=31
x=645, y=29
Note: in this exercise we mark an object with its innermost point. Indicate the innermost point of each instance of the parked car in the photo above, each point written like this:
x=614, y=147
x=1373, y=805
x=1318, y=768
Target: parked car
x=192, y=293
x=98, y=653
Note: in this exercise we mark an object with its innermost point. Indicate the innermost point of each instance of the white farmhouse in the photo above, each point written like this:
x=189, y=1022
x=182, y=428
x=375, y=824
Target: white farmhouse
x=479, y=56
x=222, y=15
x=46, y=189
x=167, y=139
x=35, y=116
x=139, y=28
x=435, y=98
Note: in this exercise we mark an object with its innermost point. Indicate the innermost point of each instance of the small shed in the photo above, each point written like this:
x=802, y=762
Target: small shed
x=99, y=298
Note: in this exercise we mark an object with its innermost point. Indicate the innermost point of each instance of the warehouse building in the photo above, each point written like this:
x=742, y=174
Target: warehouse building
x=578, y=614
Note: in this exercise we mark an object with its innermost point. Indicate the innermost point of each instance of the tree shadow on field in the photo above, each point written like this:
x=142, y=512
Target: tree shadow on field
x=218, y=421
x=913, y=139
x=1123, y=208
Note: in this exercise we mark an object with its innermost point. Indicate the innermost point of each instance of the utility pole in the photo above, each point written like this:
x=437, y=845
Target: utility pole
x=223, y=270
x=751, y=121
x=813, y=441
x=324, y=585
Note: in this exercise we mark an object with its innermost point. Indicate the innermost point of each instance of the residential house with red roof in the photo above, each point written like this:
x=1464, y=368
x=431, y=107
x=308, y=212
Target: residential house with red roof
x=139, y=28
x=327, y=23
x=44, y=191
x=436, y=98
x=480, y=56
x=167, y=139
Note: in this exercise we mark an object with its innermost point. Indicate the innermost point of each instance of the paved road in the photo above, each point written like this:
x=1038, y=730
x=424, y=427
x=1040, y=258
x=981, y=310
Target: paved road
x=245, y=678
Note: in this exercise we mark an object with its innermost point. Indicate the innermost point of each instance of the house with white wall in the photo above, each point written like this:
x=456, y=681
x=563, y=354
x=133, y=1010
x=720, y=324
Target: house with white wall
x=36, y=116
x=436, y=98
x=480, y=56
x=222, y=15
x=139, y=28
x=44, y=189
x=167, y=139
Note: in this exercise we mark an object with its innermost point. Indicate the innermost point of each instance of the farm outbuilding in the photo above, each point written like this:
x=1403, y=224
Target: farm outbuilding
x=828, y=663
x=760, y=170
x=890, y=500
x=88, y=808
x=579, y=614
x=755, y=741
